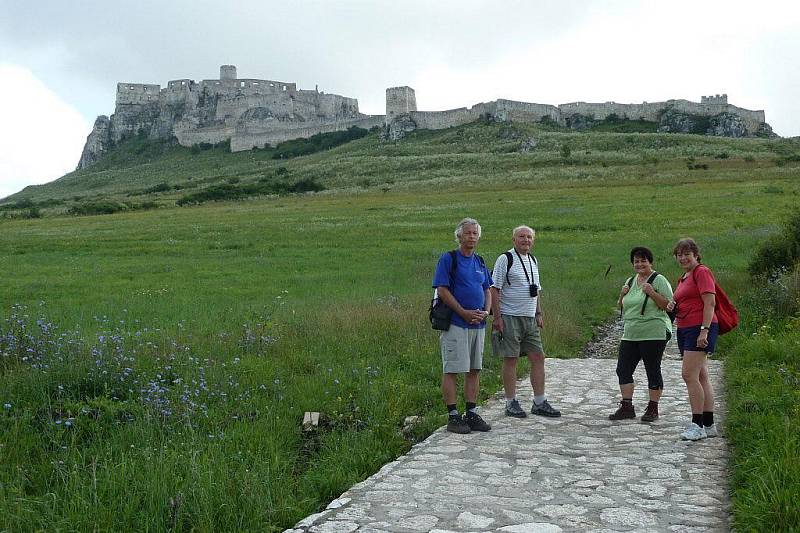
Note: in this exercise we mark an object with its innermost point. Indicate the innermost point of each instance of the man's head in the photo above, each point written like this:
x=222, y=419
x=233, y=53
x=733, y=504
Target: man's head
x=467, y=233
x=523, y=239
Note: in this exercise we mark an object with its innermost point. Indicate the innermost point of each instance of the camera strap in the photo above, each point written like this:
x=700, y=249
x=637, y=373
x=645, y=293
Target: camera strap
x=521, y=262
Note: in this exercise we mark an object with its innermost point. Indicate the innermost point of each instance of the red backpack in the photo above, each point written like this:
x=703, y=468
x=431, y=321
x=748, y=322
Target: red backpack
x=727, y=315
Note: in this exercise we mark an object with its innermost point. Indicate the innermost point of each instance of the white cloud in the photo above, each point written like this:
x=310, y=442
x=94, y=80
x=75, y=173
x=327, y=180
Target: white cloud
x=41, y=138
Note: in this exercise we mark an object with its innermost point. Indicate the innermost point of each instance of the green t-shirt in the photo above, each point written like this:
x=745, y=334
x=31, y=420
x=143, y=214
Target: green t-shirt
x=654, y=323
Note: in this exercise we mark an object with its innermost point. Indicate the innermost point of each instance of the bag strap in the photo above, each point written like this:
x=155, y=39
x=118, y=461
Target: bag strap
x=646, y=296
x=509, y=262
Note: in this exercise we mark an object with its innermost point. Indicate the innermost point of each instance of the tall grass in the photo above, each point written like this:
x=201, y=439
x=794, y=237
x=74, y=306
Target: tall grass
x=156, y=364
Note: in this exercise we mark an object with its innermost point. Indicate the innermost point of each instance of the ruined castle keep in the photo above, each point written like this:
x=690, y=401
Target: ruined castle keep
x=254, y=113
x=248, y=112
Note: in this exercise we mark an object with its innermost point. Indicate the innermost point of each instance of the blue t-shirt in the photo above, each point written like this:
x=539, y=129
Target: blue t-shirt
x=469, y=287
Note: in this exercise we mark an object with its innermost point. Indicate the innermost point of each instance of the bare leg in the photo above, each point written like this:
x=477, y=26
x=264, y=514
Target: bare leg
x=627, y=391
x=537, y=372
x=655, y=394
x=471, y=384
x=449, y=382
x=510, y=376
x=693, y=363
x=708, y=388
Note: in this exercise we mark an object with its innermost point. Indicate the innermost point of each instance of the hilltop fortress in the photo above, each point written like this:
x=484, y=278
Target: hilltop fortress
x=253, y=113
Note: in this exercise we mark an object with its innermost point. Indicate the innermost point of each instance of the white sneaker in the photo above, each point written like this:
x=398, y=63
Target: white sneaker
x=694, y=432
x=711, y=431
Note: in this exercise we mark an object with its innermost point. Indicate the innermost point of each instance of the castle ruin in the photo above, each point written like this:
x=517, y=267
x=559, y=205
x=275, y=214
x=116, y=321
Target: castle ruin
x=250, y=113
x=253, y=113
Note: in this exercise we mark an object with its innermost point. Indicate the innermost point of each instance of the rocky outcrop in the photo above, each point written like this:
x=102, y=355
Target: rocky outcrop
x=98, y=141
x=398, y=128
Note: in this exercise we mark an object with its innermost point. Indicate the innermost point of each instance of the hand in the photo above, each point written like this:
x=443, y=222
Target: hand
x=625, y=289
x=671, y=305
x=497, y=324
x=648, y=289
x=539, y=320
x=475, y=316
x=702, y=339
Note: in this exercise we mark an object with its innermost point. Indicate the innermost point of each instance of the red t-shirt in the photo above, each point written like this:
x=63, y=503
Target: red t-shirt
x=687, y=296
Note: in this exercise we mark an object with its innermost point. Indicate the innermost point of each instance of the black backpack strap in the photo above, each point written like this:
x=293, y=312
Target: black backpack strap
x=653, y=276
x=453, y=268
x=509, y=262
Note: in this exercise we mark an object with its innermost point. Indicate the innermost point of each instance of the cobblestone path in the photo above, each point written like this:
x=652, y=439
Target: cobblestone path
x=580, y=472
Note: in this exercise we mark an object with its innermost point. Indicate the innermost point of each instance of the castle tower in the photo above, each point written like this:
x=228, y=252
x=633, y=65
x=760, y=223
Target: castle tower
x=399, y=101
x=227, y=72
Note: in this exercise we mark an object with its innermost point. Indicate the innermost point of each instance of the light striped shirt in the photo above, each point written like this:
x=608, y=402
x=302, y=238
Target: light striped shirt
x=515, y=299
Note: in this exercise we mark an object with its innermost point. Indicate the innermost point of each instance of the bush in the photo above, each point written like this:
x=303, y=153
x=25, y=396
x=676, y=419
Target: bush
x=100, y=207
x=264, y=186
x=780, y=252
x=317, y=143
x=161, y=187
x=566, y=151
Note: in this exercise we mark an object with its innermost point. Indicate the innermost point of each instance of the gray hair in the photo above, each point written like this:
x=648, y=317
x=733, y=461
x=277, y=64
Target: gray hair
x=466, y=222
x=520, y=228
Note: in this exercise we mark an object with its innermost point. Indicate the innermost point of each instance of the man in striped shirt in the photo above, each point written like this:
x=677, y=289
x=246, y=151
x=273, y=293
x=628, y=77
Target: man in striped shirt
x=518, y=320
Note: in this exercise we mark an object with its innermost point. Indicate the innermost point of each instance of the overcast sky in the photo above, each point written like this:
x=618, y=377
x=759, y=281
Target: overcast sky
x=60, y=61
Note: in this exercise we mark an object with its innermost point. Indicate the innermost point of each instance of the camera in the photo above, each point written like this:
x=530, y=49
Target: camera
x=534, y=290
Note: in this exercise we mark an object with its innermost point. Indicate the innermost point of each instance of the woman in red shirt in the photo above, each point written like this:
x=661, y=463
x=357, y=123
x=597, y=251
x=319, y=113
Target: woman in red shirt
x=693, y=304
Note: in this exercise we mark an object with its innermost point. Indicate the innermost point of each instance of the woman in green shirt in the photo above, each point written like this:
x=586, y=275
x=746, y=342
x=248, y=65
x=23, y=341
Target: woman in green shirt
x=643, y=299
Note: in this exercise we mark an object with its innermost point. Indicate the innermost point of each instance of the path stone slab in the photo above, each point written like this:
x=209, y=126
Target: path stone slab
x=538, y=475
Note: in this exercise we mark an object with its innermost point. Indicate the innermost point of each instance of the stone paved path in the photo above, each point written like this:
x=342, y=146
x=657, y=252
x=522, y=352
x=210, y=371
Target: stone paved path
x=580, y=472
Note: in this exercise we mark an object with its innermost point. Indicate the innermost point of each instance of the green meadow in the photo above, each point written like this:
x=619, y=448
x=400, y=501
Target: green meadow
x=155, y=364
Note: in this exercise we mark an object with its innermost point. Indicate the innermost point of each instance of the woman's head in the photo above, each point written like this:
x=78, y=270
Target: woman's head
x=642, y=253
x=686, y=246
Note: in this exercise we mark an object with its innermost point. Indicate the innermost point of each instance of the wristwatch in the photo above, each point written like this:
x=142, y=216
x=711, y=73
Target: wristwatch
x=704, y=327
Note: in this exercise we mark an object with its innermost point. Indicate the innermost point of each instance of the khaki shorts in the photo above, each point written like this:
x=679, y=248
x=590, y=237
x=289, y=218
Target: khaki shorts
x=462, y=349
x=521, y=336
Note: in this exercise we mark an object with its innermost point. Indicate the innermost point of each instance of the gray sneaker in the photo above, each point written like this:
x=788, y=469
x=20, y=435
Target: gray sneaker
x=545, y=409
x=711, y=431
x=513, y=409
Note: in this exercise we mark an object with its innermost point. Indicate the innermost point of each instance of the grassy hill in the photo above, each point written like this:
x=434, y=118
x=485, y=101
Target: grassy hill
x=157, y=362
x=144, y=173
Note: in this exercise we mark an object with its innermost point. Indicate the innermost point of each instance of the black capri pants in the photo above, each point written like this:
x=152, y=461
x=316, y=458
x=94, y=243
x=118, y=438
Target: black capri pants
x=631, y=352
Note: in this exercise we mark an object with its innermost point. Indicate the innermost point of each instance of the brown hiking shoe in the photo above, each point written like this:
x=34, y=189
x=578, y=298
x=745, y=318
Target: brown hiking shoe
x=625, y=411
x=651, y=413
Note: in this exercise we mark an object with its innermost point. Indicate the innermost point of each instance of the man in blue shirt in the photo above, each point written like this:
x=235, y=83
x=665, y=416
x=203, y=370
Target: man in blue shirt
x=465, y=290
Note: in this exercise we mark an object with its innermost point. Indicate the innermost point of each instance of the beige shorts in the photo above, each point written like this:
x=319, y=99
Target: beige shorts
x=521, y=336
x=462, y=349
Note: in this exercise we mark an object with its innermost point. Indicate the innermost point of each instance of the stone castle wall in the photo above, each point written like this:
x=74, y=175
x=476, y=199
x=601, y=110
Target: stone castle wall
x=249, y=112
x=255, y=112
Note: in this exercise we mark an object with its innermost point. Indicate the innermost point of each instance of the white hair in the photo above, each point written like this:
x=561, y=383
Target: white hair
x=466, y=222
x=520, y=228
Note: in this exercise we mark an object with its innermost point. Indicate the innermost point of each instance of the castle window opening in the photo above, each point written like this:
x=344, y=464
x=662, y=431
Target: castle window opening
x=242, y=84
x=272, y=85
x=284, y=87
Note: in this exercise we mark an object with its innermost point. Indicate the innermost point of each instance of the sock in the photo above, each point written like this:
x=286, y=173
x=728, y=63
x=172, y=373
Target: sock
x=627, y=400
x=708, y=418
x=509, y=400
x=471, y=407
x=539, y=398
x=451, y=410
x=697, y=419
x=652, y=405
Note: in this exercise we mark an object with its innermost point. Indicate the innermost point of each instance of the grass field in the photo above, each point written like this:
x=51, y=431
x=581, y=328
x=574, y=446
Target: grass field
x=156, y=364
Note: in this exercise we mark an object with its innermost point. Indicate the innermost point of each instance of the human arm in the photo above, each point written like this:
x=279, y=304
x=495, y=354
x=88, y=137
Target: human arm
x=497, y=320
x=539, y=315
x=470, y=316
x=709, y=302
